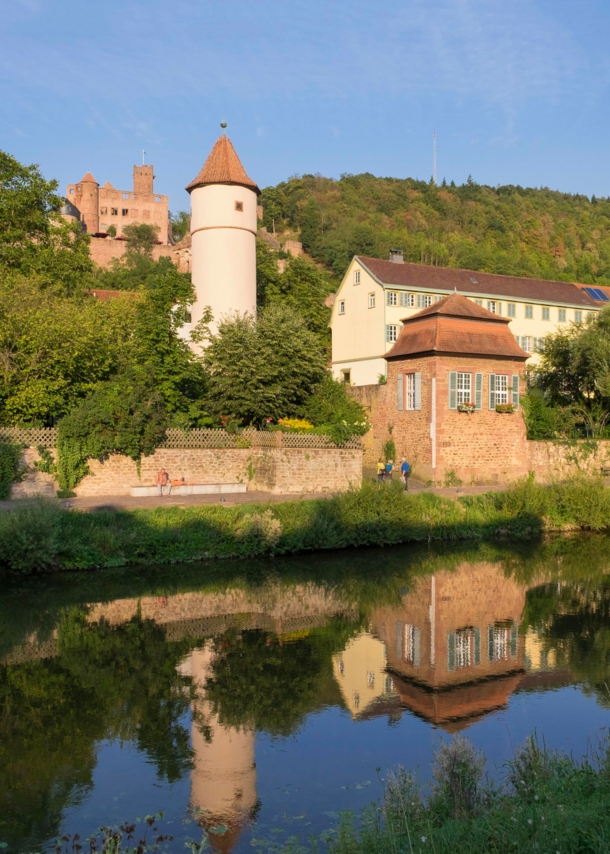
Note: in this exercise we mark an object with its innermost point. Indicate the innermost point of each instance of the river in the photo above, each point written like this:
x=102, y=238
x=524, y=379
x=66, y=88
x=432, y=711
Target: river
x=258, y=699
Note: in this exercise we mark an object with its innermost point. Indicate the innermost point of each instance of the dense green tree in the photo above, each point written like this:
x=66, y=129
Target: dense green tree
x=141, y=238
x=334, y=411
x=34, y=239
x=262, y=369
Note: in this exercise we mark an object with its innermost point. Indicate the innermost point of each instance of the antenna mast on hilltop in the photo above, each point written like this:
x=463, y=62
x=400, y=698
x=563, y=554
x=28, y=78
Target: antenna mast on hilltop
x=143, y=156
x=434, y=156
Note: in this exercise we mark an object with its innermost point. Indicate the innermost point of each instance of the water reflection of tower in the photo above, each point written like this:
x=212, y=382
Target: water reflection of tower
x=223, y=780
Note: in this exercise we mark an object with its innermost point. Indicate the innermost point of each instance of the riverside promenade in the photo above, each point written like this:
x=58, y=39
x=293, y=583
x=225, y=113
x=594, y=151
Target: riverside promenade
x=124, y=502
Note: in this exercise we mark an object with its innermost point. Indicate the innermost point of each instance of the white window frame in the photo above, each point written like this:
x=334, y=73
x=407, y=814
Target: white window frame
x=578, y=316
x=546, y=312
x=407, y=300
x=511, y=309
x=529, y=312
x=372, y=300
x=391, y=298
x=464, y=388
x=561, y=315
x=492, y=305
x=502, y=389
x=391, y=333
x=341, y=309
x=356, y=277
x=424, y=300
x=479, y=302
x=410, y=391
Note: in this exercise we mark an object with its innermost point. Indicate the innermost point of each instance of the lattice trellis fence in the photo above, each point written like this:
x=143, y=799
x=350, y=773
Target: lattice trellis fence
x=31, y=437
x=199, y=438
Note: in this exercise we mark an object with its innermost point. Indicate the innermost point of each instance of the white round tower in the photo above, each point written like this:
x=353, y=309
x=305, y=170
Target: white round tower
x=223, y=233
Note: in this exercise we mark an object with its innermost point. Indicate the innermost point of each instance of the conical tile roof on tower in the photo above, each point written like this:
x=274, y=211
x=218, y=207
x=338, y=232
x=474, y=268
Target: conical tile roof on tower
x=223, y=166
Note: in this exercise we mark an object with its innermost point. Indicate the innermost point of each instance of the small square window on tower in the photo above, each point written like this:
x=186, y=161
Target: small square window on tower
x=239, y=206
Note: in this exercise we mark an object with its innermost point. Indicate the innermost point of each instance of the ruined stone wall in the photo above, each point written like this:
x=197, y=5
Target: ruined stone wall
x=274, y=470
x=103, y=250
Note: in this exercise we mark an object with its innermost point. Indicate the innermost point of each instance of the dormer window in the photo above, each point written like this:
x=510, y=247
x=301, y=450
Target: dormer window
x=239, y=206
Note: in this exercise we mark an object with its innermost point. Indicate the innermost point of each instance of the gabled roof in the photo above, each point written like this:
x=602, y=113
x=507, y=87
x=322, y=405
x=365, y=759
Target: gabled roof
x=108, y=186
x=88, y=179
x=456, y=326
x=223, y=166
x=407, y=275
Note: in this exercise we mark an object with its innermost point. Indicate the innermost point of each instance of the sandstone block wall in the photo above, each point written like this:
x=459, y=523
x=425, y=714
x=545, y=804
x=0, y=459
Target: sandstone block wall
x=550, y=460
x=103, y=250
x=275, y=470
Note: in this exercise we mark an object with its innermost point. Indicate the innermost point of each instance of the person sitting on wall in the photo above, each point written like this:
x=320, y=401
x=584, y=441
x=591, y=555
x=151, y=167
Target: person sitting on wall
x=380, y=469
x=163, y=480
x=389, y=468
x=405, y=472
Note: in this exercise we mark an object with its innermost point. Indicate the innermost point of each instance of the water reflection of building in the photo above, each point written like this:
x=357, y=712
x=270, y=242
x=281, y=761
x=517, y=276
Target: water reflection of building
x=453, y=646
x=360, y=672
x=223, y=779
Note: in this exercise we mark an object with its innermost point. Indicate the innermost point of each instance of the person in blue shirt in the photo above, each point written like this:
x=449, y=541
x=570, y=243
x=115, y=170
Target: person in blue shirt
x=389, y=468
x=405, y=471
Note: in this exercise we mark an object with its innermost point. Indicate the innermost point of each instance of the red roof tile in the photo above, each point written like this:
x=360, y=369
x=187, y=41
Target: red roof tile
x=456, y=326
x=88, y=179
x=473, y=282
x=223, y=166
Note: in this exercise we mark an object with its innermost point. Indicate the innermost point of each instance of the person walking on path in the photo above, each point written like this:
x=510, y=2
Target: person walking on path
x=405, y=471
x=163, y=480
x=380, y=470
x=389, y=468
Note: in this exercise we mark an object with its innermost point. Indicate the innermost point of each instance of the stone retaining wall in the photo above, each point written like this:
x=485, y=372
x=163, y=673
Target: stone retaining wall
x=550, y=460
x=274, y=470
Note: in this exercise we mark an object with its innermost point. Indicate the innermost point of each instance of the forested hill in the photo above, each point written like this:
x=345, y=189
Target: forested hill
x=511, y=230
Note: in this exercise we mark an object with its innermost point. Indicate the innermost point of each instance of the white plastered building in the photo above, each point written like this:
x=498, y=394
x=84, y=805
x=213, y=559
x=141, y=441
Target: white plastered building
x=375, y=295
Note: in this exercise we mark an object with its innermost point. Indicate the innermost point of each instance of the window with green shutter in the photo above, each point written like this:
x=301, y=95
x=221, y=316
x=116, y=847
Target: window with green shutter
x=478, y=391
x=515, y=390
x=477, y=646
x=514, y=636
x=417, y=378
x=399, y=641
x=451, y=651
x=452, y=389
x=492, y=391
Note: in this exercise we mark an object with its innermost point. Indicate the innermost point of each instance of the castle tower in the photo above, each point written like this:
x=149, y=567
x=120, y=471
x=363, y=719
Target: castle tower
x=87, y=201
x=143, y=178
x=223, y=232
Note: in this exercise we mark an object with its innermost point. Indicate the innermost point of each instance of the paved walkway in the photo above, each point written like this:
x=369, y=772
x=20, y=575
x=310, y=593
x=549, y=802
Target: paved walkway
x=127, y=502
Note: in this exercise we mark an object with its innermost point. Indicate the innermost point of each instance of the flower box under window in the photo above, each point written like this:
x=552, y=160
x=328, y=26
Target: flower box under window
x=466, y=406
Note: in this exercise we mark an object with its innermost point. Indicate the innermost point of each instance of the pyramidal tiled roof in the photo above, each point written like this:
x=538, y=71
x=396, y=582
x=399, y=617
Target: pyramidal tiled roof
x=88, y=179
x=108, y=186
x=223, y=166
x=456, y=305
x=456, y=326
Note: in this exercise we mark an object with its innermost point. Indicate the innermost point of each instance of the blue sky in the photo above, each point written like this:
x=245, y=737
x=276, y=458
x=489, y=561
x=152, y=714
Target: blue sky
x=518, y=90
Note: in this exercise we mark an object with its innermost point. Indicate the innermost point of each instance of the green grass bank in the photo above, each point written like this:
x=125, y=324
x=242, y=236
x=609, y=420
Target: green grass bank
x=39, y=536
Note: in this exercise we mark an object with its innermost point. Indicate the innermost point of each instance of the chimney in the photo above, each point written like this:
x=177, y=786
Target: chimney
x=396, y=256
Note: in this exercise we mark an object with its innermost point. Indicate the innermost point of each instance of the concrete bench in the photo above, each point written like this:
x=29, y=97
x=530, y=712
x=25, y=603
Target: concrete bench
x=189, y=489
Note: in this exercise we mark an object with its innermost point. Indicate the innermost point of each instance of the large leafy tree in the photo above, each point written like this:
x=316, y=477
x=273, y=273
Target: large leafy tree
x=55, y=349
x=575, y=365
x=265, y=368
x=301, y=285
x=34, y=239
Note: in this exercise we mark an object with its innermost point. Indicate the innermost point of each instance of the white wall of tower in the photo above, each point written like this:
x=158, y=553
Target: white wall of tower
x=223, y=251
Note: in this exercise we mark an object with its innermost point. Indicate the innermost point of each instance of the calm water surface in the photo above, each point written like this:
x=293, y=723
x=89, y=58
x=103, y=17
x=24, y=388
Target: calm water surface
x=260, y=702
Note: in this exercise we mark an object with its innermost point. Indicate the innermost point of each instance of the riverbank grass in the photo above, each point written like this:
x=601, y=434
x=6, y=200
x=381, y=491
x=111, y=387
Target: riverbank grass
x=39, y=536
